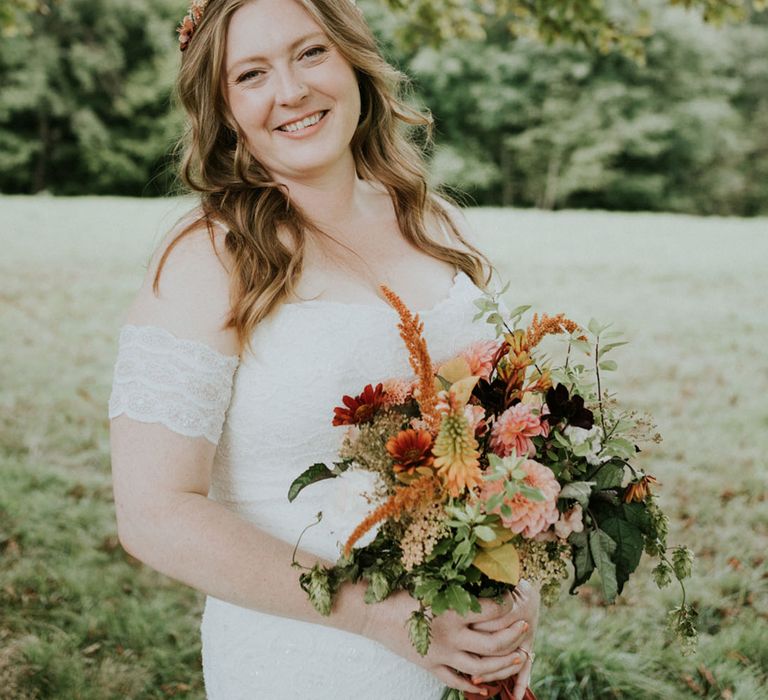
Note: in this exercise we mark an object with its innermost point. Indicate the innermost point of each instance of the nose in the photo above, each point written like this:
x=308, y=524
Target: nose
x=290, y=89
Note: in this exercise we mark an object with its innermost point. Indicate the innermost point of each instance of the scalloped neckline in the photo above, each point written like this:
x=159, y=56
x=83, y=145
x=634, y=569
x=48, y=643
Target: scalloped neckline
x=383, y=306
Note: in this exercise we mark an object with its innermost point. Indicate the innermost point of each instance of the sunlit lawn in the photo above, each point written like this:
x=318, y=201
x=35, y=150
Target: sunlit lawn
x=81, y=619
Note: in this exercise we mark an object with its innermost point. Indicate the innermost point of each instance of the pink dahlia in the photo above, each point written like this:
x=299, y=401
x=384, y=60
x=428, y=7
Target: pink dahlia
x=479, y=356
x=529, y=518
x=397, y=391
x=514, y=429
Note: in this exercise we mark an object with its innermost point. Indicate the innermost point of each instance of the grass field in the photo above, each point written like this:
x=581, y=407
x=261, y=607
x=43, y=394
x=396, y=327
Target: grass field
x=81, y=619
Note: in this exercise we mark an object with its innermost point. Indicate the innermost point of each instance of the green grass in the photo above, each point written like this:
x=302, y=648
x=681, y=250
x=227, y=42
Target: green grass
x=81, y=619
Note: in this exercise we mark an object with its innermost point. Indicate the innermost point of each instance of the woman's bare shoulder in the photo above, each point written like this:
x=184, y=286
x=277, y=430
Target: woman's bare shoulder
x=192, y=296
x=457, y=217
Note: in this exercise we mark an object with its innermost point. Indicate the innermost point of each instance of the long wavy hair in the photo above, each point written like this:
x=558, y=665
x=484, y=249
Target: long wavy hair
x=238, y=193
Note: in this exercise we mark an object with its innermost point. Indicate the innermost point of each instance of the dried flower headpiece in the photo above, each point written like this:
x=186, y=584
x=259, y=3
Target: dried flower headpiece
x=189, y=24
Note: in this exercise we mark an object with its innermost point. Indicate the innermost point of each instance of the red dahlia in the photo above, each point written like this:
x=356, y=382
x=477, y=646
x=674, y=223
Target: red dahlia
x=359, y=409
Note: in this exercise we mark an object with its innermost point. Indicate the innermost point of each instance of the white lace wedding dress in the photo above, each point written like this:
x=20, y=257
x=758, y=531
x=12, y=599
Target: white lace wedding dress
x=279, y=404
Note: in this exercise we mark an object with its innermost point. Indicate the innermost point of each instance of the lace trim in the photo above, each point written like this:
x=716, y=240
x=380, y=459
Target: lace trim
x=181, y=383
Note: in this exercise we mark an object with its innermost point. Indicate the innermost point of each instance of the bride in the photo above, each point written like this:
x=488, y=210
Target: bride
x=259, y=311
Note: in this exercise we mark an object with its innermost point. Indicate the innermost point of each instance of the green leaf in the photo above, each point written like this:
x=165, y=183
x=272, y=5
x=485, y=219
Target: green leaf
x=619, y=447
x=582, y=345
x=608, y=365
x=607, y=348
x=485, y=533
x=610, y=475
x=531, y=493
x=519, y=310
x=494, y=501
x=629, y=547
x=579, y=490
x=499, y=564
x=583, y=563
x=317, y=472
x=427, y=589
x=458, y=599
x=601, y=546
x=561, y=439
x=594, y=327
x=462, y=549
x=439, y=603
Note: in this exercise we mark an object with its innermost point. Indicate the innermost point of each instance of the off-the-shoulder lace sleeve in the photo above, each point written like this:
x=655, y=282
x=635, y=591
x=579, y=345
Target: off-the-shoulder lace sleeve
x=183, y=384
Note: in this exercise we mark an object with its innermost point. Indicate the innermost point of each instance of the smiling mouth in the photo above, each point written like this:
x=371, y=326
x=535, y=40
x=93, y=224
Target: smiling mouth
x=302, y=124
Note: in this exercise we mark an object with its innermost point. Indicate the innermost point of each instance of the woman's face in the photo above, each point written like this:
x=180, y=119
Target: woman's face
x=291, y=92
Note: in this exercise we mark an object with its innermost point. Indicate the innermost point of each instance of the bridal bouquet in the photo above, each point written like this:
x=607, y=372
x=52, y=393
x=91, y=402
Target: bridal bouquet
x=495, y=465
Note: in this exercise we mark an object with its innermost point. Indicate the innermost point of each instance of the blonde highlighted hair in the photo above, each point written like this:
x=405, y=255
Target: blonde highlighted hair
x=237, y=192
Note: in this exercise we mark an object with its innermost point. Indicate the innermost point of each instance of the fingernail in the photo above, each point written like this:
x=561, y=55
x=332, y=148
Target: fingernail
x=525, y=626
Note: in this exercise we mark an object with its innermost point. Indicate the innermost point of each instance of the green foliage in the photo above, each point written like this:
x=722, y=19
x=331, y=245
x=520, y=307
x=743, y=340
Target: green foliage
x=563, y=127
x=85, y=99
x=317, y=472
x=597, y=24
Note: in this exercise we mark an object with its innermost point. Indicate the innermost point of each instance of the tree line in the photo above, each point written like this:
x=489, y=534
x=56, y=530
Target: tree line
x=658, y=108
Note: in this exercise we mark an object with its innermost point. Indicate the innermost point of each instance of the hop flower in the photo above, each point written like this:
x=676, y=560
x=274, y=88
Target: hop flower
x=514, y=429
x=528, y=517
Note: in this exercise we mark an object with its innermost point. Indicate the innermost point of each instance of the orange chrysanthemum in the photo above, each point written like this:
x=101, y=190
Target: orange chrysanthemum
x=639, y=490
x=359, y=409
x=410, y=449
x=411, y=329
x=407, y=499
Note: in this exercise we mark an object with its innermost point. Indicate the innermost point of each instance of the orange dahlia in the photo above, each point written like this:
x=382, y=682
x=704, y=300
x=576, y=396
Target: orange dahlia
x=410, y=449
x=359, y=409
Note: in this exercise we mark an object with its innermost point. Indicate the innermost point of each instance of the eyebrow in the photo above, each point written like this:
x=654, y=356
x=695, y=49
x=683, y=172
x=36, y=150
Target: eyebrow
x=291, y=48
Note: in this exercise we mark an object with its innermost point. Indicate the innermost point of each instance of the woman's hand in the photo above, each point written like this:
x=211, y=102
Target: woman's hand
x=483, y=645
x=525, y=607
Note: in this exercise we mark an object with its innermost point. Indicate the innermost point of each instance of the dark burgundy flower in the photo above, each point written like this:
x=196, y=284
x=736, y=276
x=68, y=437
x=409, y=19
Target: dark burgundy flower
x=562, y=406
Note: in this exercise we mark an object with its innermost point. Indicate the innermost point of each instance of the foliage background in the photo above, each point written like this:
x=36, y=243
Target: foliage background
x=85, y=103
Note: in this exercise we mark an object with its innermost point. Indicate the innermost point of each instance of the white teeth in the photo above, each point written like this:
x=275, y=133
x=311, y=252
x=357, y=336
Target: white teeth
x=302, y=124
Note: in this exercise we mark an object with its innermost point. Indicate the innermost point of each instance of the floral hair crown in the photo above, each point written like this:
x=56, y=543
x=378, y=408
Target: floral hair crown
x=188, y=25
